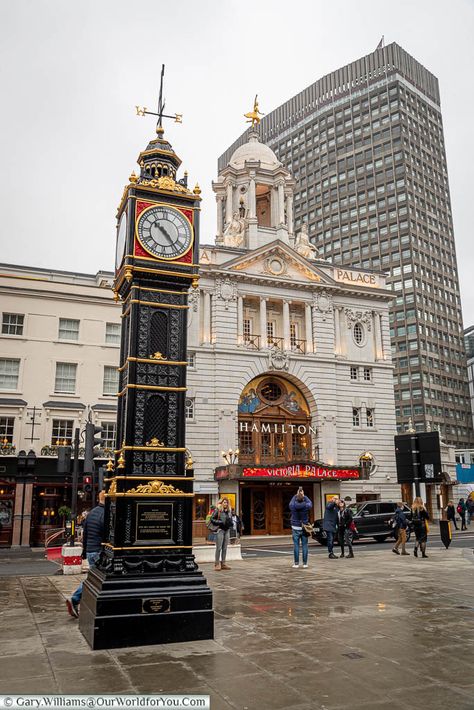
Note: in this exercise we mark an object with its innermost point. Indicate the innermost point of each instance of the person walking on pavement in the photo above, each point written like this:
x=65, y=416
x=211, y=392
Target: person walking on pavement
x=420, y=519
x=92, y=539
x=462, y=513
x=330, y=524
x=300, y=505
x=222, y=517
x=401, y=525
x=469, y=509
x=345, y=528
x=451, y=513
x=236, y=529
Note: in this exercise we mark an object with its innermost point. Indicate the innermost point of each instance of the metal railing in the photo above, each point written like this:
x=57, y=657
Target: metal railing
x=252, y=341
x=298, y=345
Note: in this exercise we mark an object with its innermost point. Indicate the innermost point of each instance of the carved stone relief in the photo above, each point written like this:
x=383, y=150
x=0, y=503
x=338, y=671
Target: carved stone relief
x=354, y=317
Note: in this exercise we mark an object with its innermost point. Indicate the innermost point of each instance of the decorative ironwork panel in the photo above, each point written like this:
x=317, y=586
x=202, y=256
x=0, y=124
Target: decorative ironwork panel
x=158, y=333
x=156, y=418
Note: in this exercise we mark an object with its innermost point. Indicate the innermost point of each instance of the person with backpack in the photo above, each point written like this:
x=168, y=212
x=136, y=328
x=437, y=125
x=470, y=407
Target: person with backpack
x=451, y=513
x=400, y=529
x=420, y=520
x=461, y=509
x=345, y=528
x=300, y=505
x=330, y=524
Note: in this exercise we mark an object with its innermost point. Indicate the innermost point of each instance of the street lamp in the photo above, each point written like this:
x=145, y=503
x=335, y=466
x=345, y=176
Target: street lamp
x=230, y=456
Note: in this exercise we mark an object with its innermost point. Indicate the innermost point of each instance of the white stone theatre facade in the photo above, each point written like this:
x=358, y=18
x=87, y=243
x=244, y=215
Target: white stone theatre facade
x=290, y=360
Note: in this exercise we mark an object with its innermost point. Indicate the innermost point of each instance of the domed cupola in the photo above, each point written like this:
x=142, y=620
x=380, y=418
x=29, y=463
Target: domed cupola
x=158, y=159
x=254, y=194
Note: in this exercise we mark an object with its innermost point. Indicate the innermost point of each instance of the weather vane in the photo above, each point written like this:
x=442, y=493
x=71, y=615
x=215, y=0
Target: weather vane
x=142, y=110
x=254, y=116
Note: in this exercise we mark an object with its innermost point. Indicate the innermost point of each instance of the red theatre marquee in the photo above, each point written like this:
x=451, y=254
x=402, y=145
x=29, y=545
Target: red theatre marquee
x=301, y=471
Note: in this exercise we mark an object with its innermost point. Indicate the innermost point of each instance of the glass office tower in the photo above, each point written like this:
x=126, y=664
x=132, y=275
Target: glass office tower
x=366, y=147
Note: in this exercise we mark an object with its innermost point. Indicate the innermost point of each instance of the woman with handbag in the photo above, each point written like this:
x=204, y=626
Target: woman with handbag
x=420, y=519
x=345, y=528
x=300, y=505
x=222, y=519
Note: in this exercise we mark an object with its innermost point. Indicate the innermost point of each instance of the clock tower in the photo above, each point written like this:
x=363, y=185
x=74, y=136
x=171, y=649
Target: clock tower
x=146, y=587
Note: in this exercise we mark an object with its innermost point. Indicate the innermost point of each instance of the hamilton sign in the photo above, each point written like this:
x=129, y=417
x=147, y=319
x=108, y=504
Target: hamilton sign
x=274, y=428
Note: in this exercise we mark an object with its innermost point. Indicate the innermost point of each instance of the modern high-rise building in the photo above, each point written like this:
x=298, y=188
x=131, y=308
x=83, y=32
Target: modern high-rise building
x=365, y=145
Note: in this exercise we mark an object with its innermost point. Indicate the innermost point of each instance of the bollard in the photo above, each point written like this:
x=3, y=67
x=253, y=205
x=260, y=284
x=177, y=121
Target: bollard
x=72, y=559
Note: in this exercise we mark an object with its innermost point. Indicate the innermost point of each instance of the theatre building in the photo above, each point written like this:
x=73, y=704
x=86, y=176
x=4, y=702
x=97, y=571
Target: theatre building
x=290, y=378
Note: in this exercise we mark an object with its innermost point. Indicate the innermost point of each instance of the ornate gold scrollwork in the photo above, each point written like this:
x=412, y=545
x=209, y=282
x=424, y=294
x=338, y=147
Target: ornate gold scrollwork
x=112, y=488
x=155, y=487
x=154, y=442
x=156, y=356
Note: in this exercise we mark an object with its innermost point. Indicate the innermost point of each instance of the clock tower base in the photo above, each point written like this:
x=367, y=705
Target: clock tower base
x=118, y=612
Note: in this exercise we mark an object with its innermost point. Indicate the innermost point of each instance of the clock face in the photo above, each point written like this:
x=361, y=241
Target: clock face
x=121, y=236
x=164, y=232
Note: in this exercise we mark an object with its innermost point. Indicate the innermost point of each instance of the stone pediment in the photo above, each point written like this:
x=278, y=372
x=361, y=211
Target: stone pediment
x=280, y=261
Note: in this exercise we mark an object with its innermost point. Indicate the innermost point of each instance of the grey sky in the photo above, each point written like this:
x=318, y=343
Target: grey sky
x=71, y=72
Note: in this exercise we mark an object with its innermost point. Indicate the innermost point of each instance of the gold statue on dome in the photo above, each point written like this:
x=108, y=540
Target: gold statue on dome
x=254, y=116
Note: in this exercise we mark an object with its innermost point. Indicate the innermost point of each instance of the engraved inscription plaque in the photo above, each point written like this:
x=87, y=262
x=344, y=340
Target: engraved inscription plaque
x=154, y=606
x=154, y=522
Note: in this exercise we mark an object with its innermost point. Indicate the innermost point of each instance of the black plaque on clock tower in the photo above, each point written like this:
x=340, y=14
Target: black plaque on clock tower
x=146, y=587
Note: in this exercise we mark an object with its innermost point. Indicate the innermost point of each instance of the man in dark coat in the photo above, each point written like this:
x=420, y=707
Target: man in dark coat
x=92, y=540
x=330, y=524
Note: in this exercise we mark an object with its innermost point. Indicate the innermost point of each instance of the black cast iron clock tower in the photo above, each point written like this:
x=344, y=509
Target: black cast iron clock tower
x=146, y=587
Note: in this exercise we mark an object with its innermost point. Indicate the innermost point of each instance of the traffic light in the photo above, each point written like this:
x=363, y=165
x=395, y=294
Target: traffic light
x=90, y=446
x=64, y=459
x=87, y=484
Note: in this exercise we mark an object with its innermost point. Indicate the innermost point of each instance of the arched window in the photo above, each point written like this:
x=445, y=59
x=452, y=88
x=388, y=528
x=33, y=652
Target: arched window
x=358, y=333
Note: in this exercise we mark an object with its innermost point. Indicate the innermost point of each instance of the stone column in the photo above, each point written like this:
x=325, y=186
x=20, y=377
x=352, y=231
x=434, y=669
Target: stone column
x=337, y=332
x=343, y=332
x=252, y=200
x=220, y=225
x=17, y=513
x=27, y=508
x=286, y=326
x=308, y=327
x=377, y=336
x=289, y=213
x=206, y=317
x=240, y=320
x=229, y=200
x=263, y=323
x=281, y=203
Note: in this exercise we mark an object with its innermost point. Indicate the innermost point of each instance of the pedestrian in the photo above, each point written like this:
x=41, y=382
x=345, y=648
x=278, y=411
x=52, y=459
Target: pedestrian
x=462, y=513
x=236, y=529
x=300, y=505
x=222, y=518
x=211, y=535
x=400, y=529
x=451, y=513
x=92, y=539
x=469, y=509
x=345, y=528
x=420, y=519
x=330, y=524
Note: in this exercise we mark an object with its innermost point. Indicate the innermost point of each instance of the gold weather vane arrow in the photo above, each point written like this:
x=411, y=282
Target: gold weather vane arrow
x=142, y=110
x=254, y=116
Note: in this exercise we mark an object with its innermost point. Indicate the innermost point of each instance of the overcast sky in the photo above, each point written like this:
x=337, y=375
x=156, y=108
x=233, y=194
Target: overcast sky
x=72, y=71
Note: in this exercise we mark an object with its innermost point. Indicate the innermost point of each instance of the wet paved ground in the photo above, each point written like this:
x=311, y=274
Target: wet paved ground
x=376, y=632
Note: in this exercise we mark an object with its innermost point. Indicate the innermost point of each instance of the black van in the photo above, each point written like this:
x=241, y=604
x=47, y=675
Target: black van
x=372, y=519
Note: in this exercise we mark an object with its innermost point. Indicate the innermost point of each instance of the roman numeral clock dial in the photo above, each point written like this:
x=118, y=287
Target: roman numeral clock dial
x=164, y=232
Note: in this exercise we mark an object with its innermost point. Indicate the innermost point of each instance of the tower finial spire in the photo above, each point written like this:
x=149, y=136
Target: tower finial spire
x=142, y=110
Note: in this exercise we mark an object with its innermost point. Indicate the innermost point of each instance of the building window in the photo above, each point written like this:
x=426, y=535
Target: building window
x=111, y=380
x=247, y=328
x=354, y=373
x=61, y=434
x=6, y=430
x=367, y=374
x=9, y=373
x=108, y=434
x=68, y=329
x=12, y=324
x=65, y=380
x=355, y=416
x=189, y=407
x=358, y=333
x=245, y=443
x=191, y=359
x=293, y=335
x=270, y=331
x=112, y=333
x=370, y=417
